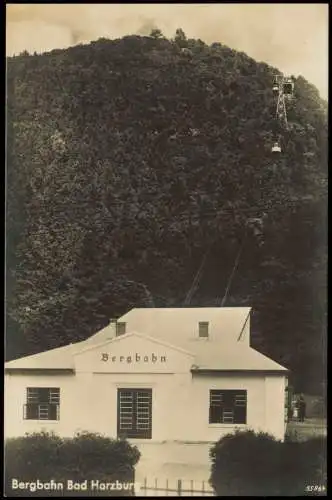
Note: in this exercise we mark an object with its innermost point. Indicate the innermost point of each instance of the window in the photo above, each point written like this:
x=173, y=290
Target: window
x=228, y=407
x=120, y=328
x=43, y=403
x=135, y=413
x=203, y=329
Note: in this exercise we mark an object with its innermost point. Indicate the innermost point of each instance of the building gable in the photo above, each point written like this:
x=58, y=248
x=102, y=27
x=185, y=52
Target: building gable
x=133, y=353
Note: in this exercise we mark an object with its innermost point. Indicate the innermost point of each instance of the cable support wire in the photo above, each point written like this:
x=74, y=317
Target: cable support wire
x=197, y=278
x=235, y=266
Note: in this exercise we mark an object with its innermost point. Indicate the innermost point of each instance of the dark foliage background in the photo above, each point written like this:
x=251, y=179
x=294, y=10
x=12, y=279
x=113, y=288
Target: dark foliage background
x=128, y=160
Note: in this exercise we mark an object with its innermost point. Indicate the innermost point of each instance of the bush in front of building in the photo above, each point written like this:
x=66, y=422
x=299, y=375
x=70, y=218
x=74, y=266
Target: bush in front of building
x=87, y=459
x=32, y=456
x=246, y=463
x=93, y=456
x=305, y=462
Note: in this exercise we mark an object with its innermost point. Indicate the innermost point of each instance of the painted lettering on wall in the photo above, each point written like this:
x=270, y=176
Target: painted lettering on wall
x=138, y=358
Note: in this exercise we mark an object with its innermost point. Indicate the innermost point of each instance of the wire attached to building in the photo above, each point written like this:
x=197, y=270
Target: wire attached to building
x=243, y=327
x=197, y=278
x=236, y=263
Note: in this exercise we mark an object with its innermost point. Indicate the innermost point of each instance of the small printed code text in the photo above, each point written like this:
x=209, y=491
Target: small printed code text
x=315, y=487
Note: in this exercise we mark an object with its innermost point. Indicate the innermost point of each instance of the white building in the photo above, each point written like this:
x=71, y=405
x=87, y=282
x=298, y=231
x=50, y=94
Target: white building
x=186, y=374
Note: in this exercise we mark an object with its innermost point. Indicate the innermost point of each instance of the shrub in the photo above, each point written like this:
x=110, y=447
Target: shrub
x=246, y=463
x=243, y=463
x=32, y=456
x=307, y=462
x=87, y=456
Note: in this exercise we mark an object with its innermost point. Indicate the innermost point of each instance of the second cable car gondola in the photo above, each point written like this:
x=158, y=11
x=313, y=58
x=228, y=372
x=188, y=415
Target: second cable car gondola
x=288, y=87
x=276, y=148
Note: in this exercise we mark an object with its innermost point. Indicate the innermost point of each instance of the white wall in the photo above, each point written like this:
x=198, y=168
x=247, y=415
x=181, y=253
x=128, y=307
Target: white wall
x=265, y=405
x=180, y=403
x=104, y=402
x=275, y=387
x=88, y=402
x=198, y=427
x=15, y=398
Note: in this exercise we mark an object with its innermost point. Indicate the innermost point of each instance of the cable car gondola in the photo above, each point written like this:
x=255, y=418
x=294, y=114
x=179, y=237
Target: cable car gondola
x=275, y=87
x=276, y=148
x=288, y=87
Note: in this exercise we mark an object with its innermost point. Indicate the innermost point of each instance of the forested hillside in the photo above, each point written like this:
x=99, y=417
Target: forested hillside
x=132, y=160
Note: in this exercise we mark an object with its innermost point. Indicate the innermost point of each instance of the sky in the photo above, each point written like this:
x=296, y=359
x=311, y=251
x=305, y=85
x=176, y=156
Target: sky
x=290, y=37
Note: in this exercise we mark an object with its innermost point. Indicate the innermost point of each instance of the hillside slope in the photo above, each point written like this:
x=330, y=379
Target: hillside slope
x=128, y=160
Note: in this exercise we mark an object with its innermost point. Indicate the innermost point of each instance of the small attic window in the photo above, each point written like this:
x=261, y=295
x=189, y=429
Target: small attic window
x=203, y=329
x=120, y=328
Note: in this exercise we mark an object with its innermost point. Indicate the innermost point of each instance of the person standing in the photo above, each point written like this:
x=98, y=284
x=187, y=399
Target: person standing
x=295, y=409
x=302, y=408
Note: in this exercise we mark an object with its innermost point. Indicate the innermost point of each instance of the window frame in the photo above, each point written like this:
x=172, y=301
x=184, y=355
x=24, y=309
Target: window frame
x=137, y=420
x=120, y=328
x=228, y=407
x=201, y=326
x=42, y=404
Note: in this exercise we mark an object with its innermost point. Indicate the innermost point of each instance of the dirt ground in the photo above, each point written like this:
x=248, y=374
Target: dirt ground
x=191, y=462
x=311, y=427
x=174, y=461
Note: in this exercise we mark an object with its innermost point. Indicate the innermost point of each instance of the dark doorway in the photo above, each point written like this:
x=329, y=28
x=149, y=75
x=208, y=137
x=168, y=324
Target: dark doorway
x=135, y=413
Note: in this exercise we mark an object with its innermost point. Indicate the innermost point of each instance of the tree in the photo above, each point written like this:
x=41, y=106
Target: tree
x=129, y=172
x=156, y=33
x=180, y=38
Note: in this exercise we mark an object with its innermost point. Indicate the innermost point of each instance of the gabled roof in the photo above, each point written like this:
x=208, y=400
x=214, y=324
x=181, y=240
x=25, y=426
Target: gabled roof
x=208, y=354
x=236, y=357
x=168, y=323
x=61, y=358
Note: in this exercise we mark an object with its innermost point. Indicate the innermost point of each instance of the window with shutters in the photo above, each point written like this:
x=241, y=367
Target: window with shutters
x=42, y=403
x=228, y=407
x=135, y=413
x=203, y=329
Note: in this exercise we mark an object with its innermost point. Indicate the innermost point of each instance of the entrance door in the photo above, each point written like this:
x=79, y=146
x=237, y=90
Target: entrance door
x=135, y=413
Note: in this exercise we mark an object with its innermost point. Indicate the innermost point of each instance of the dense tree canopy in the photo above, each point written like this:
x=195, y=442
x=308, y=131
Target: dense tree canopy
x=129, y=161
